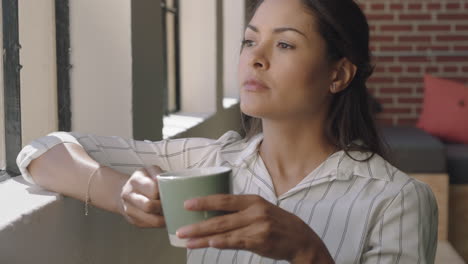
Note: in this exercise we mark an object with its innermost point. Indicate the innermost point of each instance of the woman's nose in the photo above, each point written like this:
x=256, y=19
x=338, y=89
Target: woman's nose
x=259, y=61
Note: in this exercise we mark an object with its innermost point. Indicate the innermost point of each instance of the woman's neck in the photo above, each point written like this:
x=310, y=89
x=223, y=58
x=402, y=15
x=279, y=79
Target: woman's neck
x=292, y=149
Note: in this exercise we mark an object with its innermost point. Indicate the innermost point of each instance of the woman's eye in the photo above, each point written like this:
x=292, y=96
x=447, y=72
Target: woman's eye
x=247, y=43
x=283, y=45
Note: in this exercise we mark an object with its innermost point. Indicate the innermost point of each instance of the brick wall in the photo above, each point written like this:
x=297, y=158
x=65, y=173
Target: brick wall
x=410, y=38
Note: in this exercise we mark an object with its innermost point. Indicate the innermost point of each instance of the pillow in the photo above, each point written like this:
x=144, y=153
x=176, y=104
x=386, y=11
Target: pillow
x=445, y=110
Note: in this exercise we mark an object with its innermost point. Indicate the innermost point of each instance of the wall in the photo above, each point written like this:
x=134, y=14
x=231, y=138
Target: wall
x=38, y=77
x=410, y=39
x=101, y=76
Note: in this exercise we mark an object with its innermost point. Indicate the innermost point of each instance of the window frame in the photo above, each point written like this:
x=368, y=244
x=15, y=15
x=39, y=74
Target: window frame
x=11, y=86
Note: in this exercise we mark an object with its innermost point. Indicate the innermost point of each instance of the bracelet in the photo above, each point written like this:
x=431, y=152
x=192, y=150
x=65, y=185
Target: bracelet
x=88, y=198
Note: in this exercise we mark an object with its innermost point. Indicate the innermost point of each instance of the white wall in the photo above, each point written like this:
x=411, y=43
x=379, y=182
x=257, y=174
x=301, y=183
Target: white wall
x=38, y=77
x=233, y=34
x=101, y=77
x=198, y=55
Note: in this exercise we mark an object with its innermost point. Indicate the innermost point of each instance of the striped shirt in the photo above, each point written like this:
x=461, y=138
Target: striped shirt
x=364, y=212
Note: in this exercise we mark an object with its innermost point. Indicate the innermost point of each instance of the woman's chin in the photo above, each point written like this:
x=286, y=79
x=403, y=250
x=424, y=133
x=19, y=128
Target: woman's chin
x=252, y=110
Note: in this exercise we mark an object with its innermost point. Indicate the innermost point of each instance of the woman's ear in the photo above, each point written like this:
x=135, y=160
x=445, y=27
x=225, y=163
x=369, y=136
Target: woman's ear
x=343, y=75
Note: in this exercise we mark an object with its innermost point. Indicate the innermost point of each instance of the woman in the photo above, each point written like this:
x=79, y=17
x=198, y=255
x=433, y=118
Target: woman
x=309, y=179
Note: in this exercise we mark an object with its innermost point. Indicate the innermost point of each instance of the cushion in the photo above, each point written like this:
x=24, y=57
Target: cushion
x=412, y=150
x=445, y=110
x=457, y=163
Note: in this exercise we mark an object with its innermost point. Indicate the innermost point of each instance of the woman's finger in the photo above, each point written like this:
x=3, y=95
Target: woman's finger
x=141, y=182
x=215, y=225
x=142, y=219
x=143, y=203
x=236, y=239
x=222, y=202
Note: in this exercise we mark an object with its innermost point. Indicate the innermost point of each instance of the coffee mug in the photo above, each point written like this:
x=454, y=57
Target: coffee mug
x=178, y=186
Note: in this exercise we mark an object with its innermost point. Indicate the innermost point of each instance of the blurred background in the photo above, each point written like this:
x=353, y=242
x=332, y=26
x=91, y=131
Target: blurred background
x=158, y=69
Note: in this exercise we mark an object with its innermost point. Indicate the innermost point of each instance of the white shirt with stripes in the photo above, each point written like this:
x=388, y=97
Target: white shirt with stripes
x=365, y=212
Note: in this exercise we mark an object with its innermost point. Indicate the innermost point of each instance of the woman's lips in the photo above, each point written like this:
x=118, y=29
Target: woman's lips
x=255, y=86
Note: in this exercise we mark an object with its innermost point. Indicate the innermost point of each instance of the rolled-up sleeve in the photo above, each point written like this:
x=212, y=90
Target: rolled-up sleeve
x=127, y=155
x=406, y=232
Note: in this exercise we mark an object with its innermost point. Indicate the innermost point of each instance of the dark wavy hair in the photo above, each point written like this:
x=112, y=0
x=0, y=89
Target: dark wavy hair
x=344, y=27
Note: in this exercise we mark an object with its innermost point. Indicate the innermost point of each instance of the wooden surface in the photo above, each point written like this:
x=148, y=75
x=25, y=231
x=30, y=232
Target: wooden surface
x=458, y=219
x=446, y=254
x=439, y=184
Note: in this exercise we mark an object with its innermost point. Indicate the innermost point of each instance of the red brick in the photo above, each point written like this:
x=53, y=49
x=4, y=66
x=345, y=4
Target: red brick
x=379, y=69
x=431, y=69
x=452, y=16
x=461, y=27
x=452, y=6
x=396, y=6
x=434, y=6
x=452, y=58
x=434, y=48
x=390, y=90
x=378, y=6
x=415, y=17
x=460, y=48
x=414, y=69
x=372, y=27
x=465, y=69
x=420, y=90
x=459, y=79
x=410, y=100
x=413, y=59
x=452, y=38
x=410, y=79
x=380, y=16
x=385, y=59
x=393, y=110
x=414, y=38
x=466, y=6
x=395, y=69
x=385, y=100
x=381, y=38
x=396, y=27
x=414, y=6
x=380, y=80
x=434, y=27
x=450, y=69
x=396, y=48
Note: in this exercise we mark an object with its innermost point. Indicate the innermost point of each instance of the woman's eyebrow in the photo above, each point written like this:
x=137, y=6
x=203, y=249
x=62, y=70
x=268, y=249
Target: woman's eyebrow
x=279, y=30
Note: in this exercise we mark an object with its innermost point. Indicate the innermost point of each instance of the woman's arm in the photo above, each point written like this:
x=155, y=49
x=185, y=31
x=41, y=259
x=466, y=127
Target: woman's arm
x=66, y=168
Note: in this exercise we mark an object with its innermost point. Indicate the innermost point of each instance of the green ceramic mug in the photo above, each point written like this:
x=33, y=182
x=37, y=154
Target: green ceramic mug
x=178, y=186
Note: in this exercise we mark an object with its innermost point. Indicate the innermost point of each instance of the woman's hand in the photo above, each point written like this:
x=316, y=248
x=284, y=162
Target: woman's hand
x=139, y=200
x=255, y=225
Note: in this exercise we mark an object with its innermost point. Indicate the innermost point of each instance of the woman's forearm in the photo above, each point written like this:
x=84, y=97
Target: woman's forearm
x=66, y=168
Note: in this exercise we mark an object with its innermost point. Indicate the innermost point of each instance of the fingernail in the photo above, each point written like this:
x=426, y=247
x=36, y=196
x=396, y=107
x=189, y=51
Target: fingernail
x=182, y=232
x=190, y=204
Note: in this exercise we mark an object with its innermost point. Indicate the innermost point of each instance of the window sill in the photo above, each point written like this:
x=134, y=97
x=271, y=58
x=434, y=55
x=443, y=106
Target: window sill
x=21, y=199
x=178, y=123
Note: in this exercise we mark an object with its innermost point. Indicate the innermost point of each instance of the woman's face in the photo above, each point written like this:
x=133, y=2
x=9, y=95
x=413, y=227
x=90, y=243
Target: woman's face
x=283, y=68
